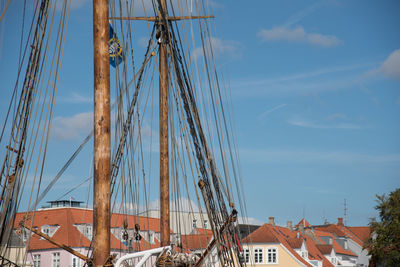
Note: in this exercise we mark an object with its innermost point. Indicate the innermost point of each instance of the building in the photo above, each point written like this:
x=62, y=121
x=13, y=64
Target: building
x=183, y=222
x=329, y=245
x=73, y=227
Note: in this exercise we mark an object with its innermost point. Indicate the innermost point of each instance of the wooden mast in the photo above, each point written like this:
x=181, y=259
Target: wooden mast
x=102, y=141
x=164, y=157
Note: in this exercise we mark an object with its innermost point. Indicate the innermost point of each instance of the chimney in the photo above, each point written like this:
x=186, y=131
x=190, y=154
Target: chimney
x=289, y=225
x=340, y=221
x=301, y=228
x=271, y=220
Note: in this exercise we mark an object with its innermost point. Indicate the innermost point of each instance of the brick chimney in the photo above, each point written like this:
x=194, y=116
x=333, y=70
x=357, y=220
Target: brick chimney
x=340, y=221
x=271, y=220
x=289, y=225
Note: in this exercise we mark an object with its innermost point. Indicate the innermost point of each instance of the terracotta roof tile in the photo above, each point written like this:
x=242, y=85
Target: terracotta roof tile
x=338, y=249
x=325, y=249
x=197, y=241
x=67, y=233
x=362, y=232
x=304, y=222
x=262, y=235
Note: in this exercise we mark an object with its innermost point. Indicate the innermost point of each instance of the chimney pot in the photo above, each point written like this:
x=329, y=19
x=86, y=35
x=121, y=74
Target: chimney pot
x=271, y=220
x=289, y=225
x=340, y=221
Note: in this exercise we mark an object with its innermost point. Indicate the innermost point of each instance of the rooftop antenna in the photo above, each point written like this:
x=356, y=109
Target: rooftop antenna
x=345, y=212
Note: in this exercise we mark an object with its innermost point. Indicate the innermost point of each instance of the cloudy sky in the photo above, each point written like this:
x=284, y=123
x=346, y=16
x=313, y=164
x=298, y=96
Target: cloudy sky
x=315, y=88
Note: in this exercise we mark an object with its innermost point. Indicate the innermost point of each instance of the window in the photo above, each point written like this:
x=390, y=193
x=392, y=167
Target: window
x=194, y=223
x=247, y=255
x=205, y=223
x=272, y=255
x=36, y=260
x=258, y=255
x=46, y=230
x=304, y=254
x=56, y=259
x=75, y=262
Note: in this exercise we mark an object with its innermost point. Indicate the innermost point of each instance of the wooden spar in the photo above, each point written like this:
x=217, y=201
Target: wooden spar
x=164, y=157
x=60, y=245
x=231, y=218
x=102, y=141
x=156, y=19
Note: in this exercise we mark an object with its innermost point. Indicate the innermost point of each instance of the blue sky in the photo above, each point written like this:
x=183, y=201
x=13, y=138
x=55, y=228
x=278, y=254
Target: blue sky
x=315, y=91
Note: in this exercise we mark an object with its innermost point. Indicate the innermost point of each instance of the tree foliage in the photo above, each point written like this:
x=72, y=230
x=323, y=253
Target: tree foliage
x=384, y=242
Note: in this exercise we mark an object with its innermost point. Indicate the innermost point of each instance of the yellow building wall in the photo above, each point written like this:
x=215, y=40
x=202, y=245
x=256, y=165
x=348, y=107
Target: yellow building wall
x=284, y=257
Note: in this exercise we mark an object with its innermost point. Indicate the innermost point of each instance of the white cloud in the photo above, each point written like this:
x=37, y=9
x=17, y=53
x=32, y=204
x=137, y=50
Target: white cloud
x=67, y=128
x=182, y=204
x=76, y=98
x=299, y=35
x=218, y=45
x=249, y=220
x=391, y=66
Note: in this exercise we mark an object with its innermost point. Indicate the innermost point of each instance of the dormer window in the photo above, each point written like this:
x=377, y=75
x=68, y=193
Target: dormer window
x=46, y=230
x=304, y=254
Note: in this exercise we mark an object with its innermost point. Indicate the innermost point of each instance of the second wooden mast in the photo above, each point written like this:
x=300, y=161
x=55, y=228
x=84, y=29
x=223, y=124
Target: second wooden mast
x=164, y=151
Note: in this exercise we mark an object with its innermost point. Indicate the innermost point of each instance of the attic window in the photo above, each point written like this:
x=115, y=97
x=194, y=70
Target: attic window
x=304, y=254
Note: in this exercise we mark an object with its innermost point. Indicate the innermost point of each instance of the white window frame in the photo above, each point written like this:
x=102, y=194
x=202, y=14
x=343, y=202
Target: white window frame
x=56, y=259
x=75, y=262
x=246, y=254
x=36, y=260
x=194, y=223
x=272, y=251
x=304, y=254
x=258, y=255
x=205, y=224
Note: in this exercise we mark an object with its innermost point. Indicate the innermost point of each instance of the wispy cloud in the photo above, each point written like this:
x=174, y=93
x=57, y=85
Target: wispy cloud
x=269, y=111
x=316, y=125
x=324, y=79
x=314, y=156
x=68, y=128
x=337, y=116
x=218, y=46
x=391, y=66
x=303, y=13
x=76, y=98
x=298, y=35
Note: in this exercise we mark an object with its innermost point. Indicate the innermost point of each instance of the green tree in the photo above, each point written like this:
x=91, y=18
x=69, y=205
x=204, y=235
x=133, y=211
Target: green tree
x=384, y=242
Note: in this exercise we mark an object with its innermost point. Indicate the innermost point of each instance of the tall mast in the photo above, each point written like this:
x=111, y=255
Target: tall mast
x=164, y=157
x=102, y=141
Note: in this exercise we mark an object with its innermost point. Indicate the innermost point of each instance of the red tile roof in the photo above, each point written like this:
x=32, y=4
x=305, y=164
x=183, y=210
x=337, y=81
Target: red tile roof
x=303, y=222
x=262, y=235
x=325, y=249
x=68, y=233
x=197, y=241
x=361, y=232
x=338, y=249
x=267, y=233
x=331, y=228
